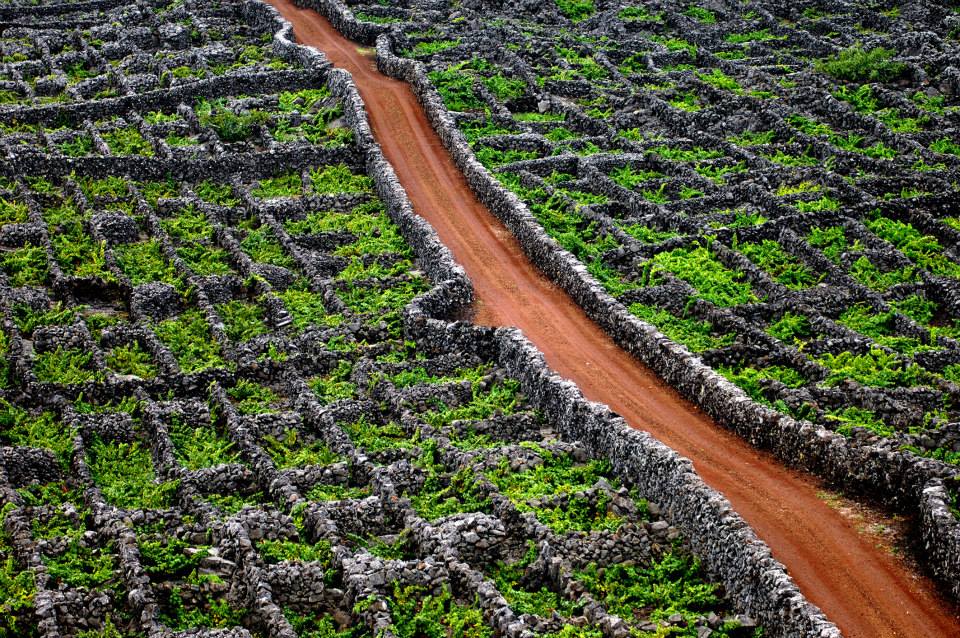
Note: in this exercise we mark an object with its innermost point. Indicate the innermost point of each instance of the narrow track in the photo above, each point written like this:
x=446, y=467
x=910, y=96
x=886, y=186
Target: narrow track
x=862, y=588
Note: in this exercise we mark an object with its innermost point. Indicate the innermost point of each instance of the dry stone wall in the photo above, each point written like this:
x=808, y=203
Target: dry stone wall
x=231, y=403
x=644, y=191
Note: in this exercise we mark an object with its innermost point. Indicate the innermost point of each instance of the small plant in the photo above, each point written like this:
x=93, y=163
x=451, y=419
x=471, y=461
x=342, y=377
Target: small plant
x=339, y=179
x=288, y=185
x=857, y=64
x=25, y=266
x=576, y=10
x=127, y=141
x=200, y=446
x=242, y=321
x=785, y=268
x=253, y=398
x=66, y=366
x=704, y=16
x=714, y=281
x=675, y=584
x=124, y=473
x=697, y=336
x=335, y=385
x=442, y=495
x=416, y=613
x=290, y=451
x=144, y=262
x=188, y=337
x=876, y=369
x=229, y=125
x=131, y=359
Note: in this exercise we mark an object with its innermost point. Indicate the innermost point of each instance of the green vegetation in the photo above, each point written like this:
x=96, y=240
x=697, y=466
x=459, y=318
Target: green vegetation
x=291, y=450
x=704, y=16
x=761, y=35
x=242, y=321
x=275, y=551
x=127, y=141
x=416, y=613
x=262, y=246
x=924, y=250
x=124, y=473
x=712, y=280
x=253, y=398
x=857, y=64
x=674, y=584
x=535, y=491
x=44, y=430
x=17, y=590
x=307, y=309
x=374, y=438
x=576, y=10
x=876, y=369
x=338, y=178
x=845, y=420
x=12, y=212
x=144, y=262
x=456, y=89
x=229, y=125
x=287, y=185
x=500, y=398
x=752, y=380
x=782, y=266
x=131, y=359
x=442, y=495
x=424, y=49
x=200, y=446
x=65, y=366
x=791, y=329
x=697, y=336
x=336, y=384
x=25, y=266
x=524, y=600
x=188, y=337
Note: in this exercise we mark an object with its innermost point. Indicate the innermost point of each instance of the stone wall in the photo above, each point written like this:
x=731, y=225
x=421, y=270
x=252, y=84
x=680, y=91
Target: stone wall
x=886, y=474
x=728, y=547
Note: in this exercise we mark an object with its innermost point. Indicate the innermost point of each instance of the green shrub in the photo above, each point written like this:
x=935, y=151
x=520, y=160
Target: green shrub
x=44, y=430
x=857, y=64
x=416, y=613
x=712, y=280
x=696, y=335
x=131, y=359
x=456, y=88
x=291, y=451
x=144, y=262
x=576, y=10
x=675, y=584
x=876, y=369
x=228, y=124
x=526, y=600
x=25, y=266
x=253, y=398
x=782, y=266
x=202, y=446
x=437, y=497
x=242, y=320
x=66, y=366
x=339, y=179
x=124, y=473
x=188, y=337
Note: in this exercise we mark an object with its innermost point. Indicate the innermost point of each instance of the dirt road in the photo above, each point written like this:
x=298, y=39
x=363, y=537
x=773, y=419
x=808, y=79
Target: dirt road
x=865, y=590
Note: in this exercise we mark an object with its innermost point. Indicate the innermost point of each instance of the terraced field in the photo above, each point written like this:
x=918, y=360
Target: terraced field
x=227, y=407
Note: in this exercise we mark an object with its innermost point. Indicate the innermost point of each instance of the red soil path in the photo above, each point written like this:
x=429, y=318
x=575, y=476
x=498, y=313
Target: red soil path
x=862, y=588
